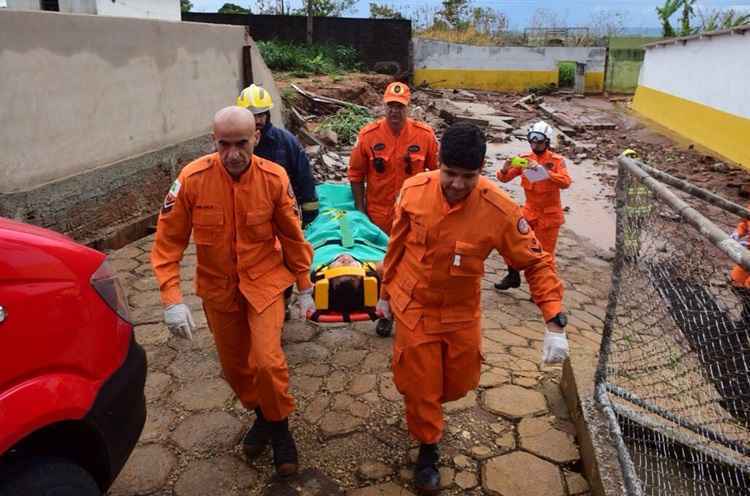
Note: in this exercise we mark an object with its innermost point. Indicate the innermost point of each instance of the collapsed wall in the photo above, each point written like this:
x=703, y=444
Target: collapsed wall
x=100, y=113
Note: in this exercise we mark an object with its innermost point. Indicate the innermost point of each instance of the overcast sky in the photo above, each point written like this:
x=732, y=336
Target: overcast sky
x=637, y=13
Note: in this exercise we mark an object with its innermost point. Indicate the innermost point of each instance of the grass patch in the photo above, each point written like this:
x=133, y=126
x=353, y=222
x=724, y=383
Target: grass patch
x=304, y=60
x=346, y=123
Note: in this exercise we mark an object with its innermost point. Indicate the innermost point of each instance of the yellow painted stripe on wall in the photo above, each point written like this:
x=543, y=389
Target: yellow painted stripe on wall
x=721, y=132
x=594, y=82
x=498, y=80
x=484, y=79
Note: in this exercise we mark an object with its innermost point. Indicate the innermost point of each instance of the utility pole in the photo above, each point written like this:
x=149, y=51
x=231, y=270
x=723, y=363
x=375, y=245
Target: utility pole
x=309, y=22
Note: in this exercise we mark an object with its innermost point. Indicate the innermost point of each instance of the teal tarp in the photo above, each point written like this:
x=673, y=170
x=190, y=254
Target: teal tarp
x=341, y=228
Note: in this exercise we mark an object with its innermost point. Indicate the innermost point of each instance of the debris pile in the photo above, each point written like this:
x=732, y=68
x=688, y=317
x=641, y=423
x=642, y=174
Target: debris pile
x=588, y=128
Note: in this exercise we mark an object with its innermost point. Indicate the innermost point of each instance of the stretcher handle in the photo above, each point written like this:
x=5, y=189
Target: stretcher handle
x=335, y=318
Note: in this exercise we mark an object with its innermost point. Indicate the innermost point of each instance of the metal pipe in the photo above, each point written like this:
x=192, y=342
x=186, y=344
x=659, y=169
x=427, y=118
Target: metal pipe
x=718, y=237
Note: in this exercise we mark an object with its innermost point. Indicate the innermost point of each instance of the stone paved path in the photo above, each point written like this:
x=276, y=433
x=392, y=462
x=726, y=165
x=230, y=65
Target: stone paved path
x=510, y=437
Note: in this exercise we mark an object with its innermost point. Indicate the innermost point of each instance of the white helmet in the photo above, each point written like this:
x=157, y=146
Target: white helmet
x=540, y=128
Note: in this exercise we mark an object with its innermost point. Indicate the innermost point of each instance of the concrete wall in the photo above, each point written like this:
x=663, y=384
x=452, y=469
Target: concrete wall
x=378, y=41
x=166, y=10
x=451, y=65
x=80, y=92
x=623, y=68
x=699, y=89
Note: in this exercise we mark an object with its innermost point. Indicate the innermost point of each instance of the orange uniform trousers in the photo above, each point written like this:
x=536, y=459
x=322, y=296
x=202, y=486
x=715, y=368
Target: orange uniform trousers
x=254, y=365
x=430, y=369
x=547, y=237
x=740, y=277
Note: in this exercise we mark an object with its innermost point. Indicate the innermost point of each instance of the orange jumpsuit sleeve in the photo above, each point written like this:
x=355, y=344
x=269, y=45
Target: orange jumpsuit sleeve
x=513, y=172
x=432, y=157
x=525, y=254
x=358, y=162
x=559, y=175
x=396, y=245
x=172, y=236
x=743, y=228
x=297, y=251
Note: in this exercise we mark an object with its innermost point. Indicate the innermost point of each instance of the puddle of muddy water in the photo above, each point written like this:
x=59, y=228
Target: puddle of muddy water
x=591, y=213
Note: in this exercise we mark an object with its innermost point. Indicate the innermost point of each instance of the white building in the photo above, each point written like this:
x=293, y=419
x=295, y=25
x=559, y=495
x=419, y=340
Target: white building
x=166, y=10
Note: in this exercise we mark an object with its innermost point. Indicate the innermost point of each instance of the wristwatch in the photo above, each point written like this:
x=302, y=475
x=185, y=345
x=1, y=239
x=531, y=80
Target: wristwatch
x=560, y=319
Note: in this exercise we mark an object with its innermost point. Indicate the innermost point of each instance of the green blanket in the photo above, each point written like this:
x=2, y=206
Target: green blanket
x=341, y=228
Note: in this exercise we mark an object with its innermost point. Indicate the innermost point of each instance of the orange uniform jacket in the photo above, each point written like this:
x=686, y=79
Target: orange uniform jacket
x=235, y=226
x=413, y=151
x=435, y=260
x=542, y=205
x=740, y=276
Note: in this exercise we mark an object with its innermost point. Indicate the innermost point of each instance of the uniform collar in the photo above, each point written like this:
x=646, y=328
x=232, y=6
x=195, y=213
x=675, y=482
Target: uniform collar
x=244, y=178
x=405, y=131
x=547, y=155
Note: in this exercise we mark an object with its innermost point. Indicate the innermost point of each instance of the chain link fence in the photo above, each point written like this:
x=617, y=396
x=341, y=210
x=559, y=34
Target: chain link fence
x=674, y=367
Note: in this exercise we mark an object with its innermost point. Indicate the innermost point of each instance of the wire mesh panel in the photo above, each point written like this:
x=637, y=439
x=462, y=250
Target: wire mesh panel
x=674, y=368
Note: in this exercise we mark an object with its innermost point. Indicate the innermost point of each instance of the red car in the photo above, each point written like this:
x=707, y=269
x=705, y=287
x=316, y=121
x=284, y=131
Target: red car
x=72, y=377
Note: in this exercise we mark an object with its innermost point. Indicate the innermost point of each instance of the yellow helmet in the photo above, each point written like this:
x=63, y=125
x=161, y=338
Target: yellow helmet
x=255, y=99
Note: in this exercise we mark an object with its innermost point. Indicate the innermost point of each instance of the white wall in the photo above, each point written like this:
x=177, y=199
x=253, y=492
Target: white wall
x=712, y=71
x=430, y=54
x=165, y=10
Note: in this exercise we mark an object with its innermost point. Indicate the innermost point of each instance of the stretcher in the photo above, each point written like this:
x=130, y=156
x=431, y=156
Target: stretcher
x=340, y=229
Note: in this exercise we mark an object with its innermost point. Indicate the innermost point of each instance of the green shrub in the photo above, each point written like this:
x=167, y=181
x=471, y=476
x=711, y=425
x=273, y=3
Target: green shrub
x=346, y=123
x=303, y=60
x=567, y=74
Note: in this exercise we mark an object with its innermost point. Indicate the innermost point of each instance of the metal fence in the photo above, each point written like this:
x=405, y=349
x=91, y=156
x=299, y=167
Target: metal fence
x=674, y=365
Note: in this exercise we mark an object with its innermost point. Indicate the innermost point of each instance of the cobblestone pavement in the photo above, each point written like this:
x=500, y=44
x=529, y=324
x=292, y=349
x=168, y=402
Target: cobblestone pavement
x=513, y=436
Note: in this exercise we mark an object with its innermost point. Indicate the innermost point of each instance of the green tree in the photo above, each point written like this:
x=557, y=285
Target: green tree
x=325, y=8
x=687, y=13
x=383, y=11
x=665, y=12
x=713, y=20
x=230, y=8
x=186, y=5
x=455, y=13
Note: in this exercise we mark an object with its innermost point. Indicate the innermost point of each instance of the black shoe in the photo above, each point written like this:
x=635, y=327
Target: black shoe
x=512, y=280
x=426, y=474
x=384, y=327
x=258, y=437
x=284, y=449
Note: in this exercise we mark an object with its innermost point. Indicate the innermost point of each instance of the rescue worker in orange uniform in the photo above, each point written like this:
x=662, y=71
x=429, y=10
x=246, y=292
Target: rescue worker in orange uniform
x=237, y=205
x=741, y=277
x=542, y=207
x=447, y=223
x=387, y=152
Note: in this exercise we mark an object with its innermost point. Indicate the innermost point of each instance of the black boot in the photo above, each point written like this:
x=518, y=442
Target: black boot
x=512, y=280
x=384, y=327
x=284, y=449
x=258, y=437
x=426, y=474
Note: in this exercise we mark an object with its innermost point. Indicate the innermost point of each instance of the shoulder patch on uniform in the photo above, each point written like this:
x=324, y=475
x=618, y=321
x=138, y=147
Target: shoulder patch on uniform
x=171, y=197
